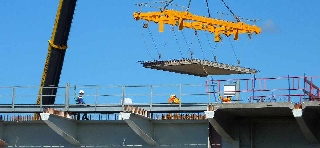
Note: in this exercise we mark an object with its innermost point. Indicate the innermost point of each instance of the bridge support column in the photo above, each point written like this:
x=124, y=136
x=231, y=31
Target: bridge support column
x=221, y=125
x=2, y=142
x=141, y=126
x=308, y=125
x=64, y=127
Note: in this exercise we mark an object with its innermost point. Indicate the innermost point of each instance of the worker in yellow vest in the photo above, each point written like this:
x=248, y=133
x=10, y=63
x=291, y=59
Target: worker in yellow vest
x=173, y=99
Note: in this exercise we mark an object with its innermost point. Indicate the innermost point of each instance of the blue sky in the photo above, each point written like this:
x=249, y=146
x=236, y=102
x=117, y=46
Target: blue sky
x=105, y=41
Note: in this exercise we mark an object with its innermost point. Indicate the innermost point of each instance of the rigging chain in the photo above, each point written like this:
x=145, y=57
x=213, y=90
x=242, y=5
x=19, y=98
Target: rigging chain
x=188, y=5
x=237, y=18
x=212, y=49
x=167, y=4
x=234, y=52
x=189, y=47
x=145, y=25
x=154, y=43
x=208, y=8
x=176, y=38
x=248, y=20
x=204, y=69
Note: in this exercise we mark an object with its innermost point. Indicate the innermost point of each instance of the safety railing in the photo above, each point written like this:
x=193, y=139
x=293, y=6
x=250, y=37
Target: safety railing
x=280, y=89
x=296, y=89
x=15, y=97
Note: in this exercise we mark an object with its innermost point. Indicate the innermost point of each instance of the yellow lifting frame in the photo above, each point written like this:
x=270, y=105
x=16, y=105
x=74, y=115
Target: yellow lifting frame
x=187, y=20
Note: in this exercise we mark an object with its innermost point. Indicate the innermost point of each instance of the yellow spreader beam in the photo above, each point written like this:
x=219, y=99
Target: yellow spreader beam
x=186, y=19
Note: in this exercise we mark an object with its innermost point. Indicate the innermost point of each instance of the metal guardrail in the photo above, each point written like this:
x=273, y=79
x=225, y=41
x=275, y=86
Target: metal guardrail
x=194, y=97
x=296, y=89
x=106, y=98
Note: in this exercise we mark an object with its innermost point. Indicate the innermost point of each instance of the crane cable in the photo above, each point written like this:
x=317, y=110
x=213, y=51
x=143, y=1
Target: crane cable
x=189, y=47
x=234, y=52
x=188, y=5
x=154, y=43
x=236, y=17
x=167, y=4
x=238, y=20
x=212, y=49
x=177, y=41
x=144, y=41
x=204, y=69
x=208, y=8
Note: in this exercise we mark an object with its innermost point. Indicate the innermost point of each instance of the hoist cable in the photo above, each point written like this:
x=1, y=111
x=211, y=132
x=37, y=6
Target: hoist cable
x=196, y=33
x=234, y=52
x=145, y=44
x=241, y=18
x=189, y=5
x=167, y=4
x=154, y=43
x=212, y=49
x=189, y=46
x=204, y=69
x=176, y=38
x=225, y=4
x=209, y=15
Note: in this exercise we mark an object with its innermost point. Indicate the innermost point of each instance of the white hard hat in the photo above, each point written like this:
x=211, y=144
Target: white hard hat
x=81, y=91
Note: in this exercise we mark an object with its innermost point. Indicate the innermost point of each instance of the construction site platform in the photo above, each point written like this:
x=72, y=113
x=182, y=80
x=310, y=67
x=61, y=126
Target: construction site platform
x=197, y=67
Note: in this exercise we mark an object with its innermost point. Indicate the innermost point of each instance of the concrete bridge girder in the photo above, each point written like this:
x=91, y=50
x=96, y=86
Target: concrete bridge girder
x=2, y=142
x=220, y=126
x=142, y=126
x=307, y=122
x=133, y=130
x=64, y=127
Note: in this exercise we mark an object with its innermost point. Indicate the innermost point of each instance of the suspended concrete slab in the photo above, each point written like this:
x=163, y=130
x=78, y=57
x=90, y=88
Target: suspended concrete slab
x=197, y=67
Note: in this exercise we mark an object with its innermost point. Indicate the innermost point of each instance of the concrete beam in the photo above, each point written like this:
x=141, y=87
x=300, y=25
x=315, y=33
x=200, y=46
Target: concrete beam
x=141, y=126
x=217, y=125
x=2, y=142
x=305, y=126
x=66, y=128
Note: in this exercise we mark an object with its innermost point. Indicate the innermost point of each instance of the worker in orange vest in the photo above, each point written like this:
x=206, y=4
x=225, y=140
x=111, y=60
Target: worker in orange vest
x=173, y=99
x=226, y=99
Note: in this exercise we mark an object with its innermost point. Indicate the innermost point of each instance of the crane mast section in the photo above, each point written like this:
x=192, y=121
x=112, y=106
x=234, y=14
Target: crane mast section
x=186, y=19
x=56, y=52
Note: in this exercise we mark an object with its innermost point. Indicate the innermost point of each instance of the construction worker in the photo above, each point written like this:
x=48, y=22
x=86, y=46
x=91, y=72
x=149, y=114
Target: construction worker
x=226, y=99
x=173, y=99
x=79, y=99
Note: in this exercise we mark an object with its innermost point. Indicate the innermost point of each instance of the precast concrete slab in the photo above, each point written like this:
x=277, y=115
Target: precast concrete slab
x=197, y=67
